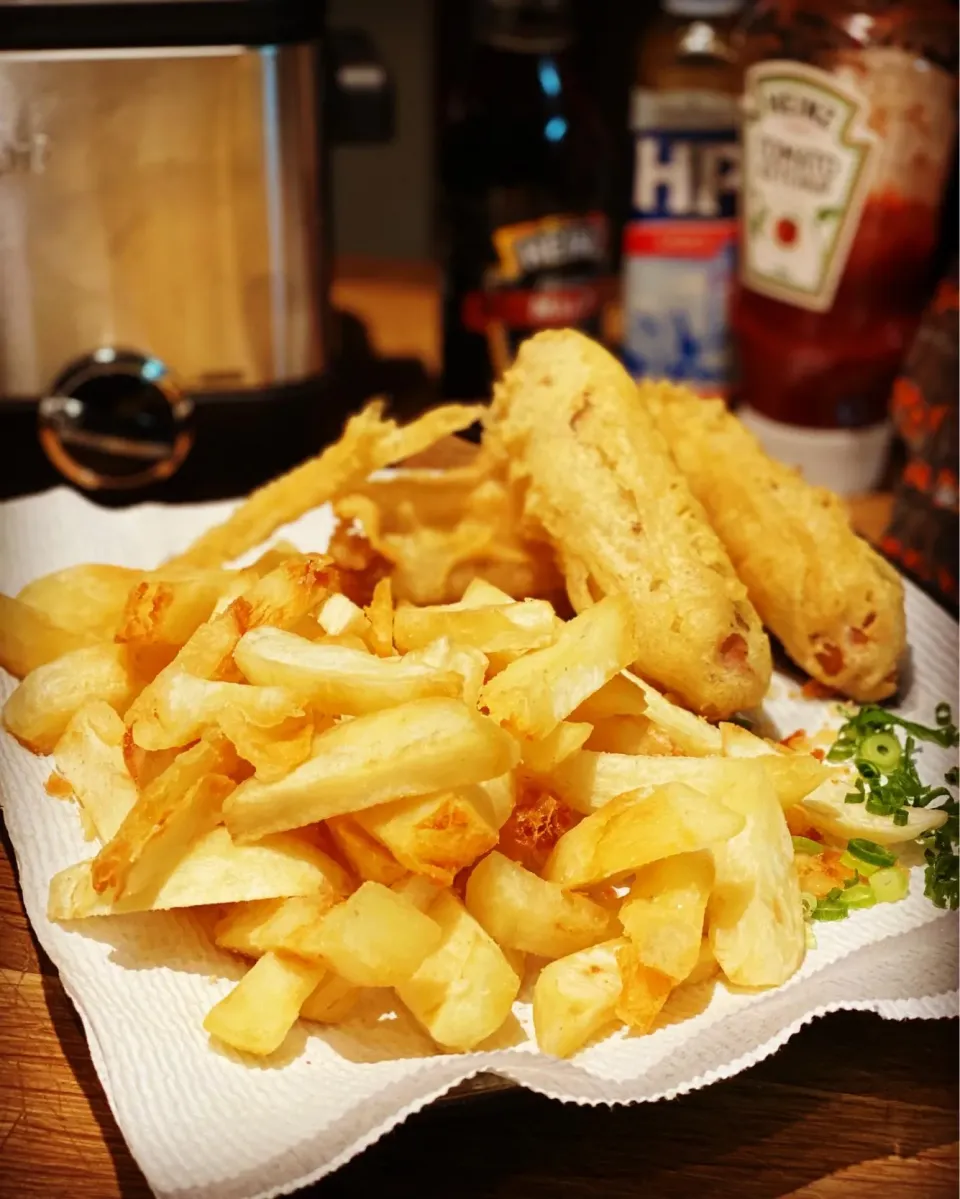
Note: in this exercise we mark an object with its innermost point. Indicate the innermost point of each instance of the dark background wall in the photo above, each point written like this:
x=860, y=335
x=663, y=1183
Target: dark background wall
x=383, y=196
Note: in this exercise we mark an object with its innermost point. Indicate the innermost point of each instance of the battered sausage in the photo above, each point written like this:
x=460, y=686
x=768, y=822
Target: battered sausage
x=834, y=603
x=602, y=484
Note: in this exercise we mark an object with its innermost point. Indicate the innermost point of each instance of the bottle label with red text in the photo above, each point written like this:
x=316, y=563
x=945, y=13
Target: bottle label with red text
x=807, y=169
x=549, y=274
x=680, y=244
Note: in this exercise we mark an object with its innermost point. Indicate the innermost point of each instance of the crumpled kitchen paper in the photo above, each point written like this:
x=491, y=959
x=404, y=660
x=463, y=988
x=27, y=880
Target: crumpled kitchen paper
x=204, y=1124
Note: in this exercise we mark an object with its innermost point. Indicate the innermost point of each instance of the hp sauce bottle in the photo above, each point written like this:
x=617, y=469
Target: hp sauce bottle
x=679, y=251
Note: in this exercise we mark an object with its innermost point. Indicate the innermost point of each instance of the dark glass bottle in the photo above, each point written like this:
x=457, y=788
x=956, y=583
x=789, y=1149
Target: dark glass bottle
x=523, y=165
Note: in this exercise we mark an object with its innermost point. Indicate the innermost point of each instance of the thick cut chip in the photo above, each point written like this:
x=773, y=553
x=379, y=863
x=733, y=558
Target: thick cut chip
x=375, y=938
x=739, y=742
x=272, y=751
x=264, y=1005
x=178, y=805
x=465, y=989
x=340, y=615
x=89, y=598
x=663, y=914
x=420, y=891
x=436, y=835
x=532, y=695
x=379, y=613
x=331, y=1001
x=275, y=556
x=481, y=594
x=644, y=990
x=521, y=911
x=619, y=696
x=161, y=614
x=628, y=695
x=367, y=858
x=337, y=680
x=639, y=828
x=89, y=756
x=212, y=871
x=634, y=735
x=423, y=746
x=588, y=780
x=182, y=706
x=29, y=639
x=469, y=663
x=540, y=757
x=281, y=599
x=513, y=627
x=538, y=820
x=41, y=707
x=253, y=929
x=576, y=996
x=494, y=799
x=755, y=917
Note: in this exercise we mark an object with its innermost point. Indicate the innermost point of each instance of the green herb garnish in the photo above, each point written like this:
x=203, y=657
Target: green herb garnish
x=889, y=785
x=870, y=852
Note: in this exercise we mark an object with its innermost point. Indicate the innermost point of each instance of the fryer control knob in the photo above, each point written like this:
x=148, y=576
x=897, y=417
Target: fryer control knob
x=115, y=420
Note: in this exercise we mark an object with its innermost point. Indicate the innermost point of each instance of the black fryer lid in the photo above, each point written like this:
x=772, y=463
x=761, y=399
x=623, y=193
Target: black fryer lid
x=39, y=25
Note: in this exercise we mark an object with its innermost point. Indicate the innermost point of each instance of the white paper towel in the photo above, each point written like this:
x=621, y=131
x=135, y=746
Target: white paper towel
x=205, y=1125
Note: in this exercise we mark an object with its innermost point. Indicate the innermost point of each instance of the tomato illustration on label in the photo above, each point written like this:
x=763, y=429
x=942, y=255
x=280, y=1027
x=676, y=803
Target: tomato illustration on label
x=809, y=153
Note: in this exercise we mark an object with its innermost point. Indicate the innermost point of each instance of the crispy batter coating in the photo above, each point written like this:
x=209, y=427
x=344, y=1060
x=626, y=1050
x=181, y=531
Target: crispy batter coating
x=601, y=482
x=834, y=603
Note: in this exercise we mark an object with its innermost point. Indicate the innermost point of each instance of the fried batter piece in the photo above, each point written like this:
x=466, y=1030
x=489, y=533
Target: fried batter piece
x=602, y=484
x=833, y=602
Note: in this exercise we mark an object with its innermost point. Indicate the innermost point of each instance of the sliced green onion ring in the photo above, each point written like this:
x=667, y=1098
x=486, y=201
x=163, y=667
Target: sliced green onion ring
x=882, y=750
x=829, y=911
x=807, y=845
x=861, y=895
x=870, y=852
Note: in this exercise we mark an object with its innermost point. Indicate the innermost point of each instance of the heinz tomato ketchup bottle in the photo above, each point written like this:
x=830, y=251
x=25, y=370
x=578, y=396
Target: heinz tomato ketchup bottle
x=849, y=131
x=680, y=243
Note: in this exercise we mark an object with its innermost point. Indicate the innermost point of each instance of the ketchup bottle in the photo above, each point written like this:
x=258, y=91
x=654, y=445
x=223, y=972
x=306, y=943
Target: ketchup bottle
x=849, y=128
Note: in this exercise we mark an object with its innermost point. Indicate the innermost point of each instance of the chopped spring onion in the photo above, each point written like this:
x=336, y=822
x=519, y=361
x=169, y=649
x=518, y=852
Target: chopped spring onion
x=862, y=868
x=829, y=910
x=860, y=895
x=809, y=904
x=807, y=845
x=881, y=750
x=888, y=784
x=890, y=884
x=870, y=852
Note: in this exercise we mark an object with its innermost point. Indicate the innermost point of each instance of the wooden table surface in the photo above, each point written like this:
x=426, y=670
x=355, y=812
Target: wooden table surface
x=852, y=1106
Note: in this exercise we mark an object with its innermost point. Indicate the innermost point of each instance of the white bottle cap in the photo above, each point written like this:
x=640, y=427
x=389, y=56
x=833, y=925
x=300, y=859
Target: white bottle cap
x=702, y=8
x=848, y=461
